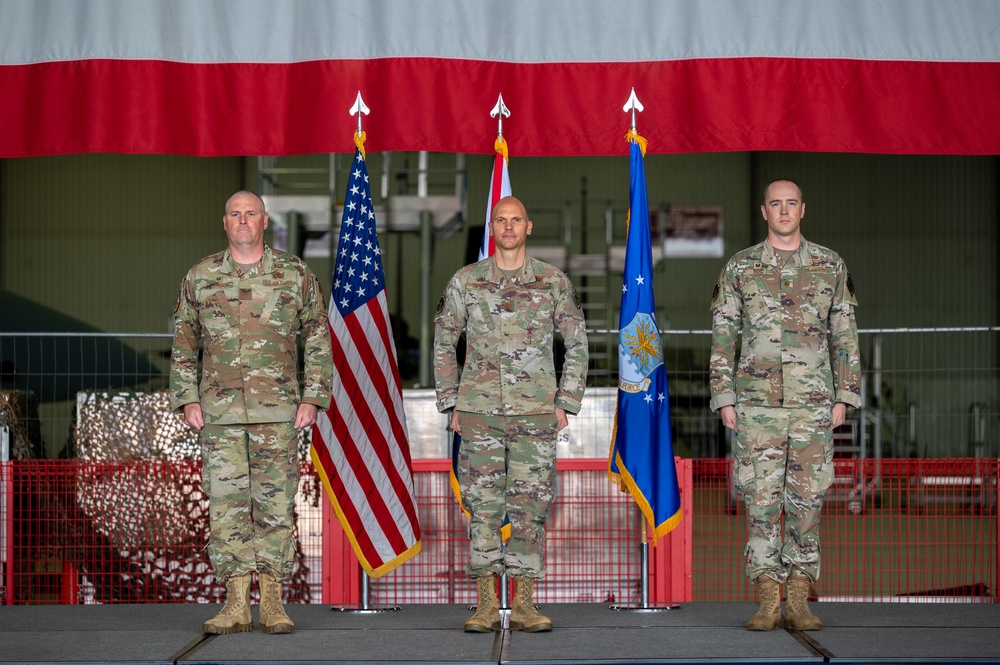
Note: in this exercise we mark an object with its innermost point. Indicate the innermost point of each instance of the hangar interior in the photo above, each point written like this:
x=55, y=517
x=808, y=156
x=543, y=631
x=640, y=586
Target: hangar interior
x=106, y=238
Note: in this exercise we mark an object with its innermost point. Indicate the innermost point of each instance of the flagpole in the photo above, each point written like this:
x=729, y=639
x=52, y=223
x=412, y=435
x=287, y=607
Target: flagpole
x=364, y=607
x=631, y=106
x=500, y=111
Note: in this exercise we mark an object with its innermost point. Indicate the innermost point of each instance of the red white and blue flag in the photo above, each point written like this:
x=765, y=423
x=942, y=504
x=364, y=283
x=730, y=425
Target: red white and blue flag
x=894, y=76
x=360, y=447
x=499, y=188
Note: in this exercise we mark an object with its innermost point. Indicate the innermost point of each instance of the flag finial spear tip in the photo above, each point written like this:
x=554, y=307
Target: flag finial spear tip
x=359, y=108
x=632, y=105
x=500, y=111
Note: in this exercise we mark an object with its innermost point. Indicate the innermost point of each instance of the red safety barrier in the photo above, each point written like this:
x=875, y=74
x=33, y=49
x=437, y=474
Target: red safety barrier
x=76, y=531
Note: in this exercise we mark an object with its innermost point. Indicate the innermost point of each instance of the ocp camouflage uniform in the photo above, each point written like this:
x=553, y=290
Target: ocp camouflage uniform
x=249, y=394
x=506, y=396
x=783, y=388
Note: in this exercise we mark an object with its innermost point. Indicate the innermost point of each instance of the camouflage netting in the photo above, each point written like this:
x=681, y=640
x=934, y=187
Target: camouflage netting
x=137, y=529
x=132, y=426
x=138, y=426
x=14, y=415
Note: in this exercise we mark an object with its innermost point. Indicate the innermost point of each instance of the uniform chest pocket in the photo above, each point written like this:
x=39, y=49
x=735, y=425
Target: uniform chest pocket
x=480, y=318
x=217, y=316
x=755, y=292
x=280, y=311
x=820, y=293
x=537, y=316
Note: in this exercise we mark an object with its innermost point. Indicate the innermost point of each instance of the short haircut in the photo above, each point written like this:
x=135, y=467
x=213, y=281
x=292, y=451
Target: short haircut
x=763, y=196
x=246, y=192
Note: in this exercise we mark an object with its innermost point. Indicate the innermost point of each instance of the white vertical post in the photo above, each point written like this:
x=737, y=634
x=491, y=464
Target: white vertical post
x=6, y=516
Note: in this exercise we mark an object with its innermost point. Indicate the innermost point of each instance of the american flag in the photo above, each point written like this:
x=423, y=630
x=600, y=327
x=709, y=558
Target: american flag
x=360, y=446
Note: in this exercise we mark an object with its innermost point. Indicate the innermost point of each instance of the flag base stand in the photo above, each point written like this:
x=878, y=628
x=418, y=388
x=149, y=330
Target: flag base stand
x=644, y=604
x=364, y=607
x=649, y=607
x=360, y=609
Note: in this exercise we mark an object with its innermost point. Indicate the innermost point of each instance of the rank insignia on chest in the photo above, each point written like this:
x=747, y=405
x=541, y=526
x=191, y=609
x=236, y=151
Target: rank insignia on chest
x=246, y=294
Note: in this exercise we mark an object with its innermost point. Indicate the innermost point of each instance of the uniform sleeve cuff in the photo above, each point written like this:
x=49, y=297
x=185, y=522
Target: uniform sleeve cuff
x=721, y=400
x=318, y=402
x=568, y=405
x=851, y=399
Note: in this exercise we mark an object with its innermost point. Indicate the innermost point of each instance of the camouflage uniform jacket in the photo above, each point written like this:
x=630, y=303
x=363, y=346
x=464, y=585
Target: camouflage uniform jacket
x=785, y=315
x=509, y=327
x=248, y=323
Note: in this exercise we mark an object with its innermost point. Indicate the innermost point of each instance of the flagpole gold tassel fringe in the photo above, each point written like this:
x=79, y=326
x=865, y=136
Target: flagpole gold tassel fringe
x=634, y=136
x=359, y=141
x=500, y=145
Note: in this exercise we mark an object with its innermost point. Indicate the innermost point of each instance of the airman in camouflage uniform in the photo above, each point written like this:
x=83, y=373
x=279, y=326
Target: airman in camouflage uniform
x=507, y=405
x=245, y=307
x=785, y=395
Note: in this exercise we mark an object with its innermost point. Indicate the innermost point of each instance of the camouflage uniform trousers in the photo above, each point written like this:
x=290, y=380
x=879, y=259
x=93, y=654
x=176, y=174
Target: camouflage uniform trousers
x=507, y=464
x=783, y=458
x=251, y=476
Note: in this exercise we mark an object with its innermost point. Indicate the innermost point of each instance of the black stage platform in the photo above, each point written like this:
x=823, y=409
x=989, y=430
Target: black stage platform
x=584, y=633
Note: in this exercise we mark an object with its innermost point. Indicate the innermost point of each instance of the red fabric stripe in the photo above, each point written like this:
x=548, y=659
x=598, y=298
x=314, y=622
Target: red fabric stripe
x=376, y=433
x=350, y=447
x=496, y=187
x=375, y=308
x=344, y=500
x=698, y=105
x=375, y=429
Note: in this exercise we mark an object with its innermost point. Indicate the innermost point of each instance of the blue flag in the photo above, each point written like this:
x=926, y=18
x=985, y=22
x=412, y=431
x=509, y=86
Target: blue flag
x=642, y=455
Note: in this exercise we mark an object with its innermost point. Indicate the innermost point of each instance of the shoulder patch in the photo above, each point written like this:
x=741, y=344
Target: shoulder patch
x=576, y=298
x=850, y=284
x=718, y=299
x=440, y=307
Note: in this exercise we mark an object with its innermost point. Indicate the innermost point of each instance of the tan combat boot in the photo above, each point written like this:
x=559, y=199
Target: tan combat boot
x=487, y=615
x=235, y=614
x=273, y=619
x=768, y=615
x=523, y=613
x=799, y=616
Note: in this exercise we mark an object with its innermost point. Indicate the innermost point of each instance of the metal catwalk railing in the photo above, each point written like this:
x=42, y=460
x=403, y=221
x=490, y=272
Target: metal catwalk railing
x=898, y=530
x=929, y=392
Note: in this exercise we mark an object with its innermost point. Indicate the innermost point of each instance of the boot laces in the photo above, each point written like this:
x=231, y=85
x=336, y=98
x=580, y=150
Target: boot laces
x=485, y=585
x=525, y=595
x=271, y=599
x=770, y=598
x=798, y=595
x=234, y=599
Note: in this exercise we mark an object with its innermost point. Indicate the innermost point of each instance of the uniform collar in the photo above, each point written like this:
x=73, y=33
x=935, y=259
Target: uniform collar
x=769, y=255
x=524, y=275
x=230, y=267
